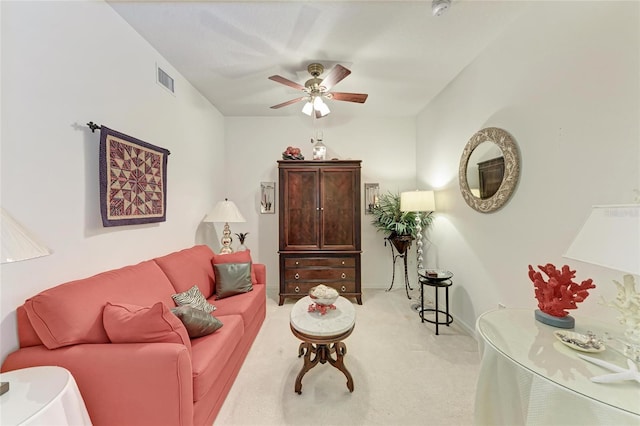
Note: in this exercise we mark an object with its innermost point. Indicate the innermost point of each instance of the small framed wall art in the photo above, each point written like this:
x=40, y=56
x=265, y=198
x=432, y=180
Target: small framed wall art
x=371, y=193
x=267, y=197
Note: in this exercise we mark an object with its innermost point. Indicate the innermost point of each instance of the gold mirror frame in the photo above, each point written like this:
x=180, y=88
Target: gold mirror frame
x=511, y=169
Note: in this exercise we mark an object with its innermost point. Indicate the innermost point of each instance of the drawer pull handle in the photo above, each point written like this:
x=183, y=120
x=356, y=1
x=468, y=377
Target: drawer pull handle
x=343, y=262
x=297, y=289
x=343, y=276
x=296, y=276
x=297, y=263
x=343, y=289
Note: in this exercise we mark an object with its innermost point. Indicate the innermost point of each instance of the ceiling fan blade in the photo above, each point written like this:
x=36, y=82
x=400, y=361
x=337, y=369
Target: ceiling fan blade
x=335, y=76
x=286, y=82
x=292, y=101
x=349, y=97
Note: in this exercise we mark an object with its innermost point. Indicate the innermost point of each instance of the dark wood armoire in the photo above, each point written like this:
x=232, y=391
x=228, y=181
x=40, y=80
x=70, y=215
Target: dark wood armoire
x=319, y=238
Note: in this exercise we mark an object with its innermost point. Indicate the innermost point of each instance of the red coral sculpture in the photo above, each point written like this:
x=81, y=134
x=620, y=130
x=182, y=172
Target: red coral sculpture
x=559, y=292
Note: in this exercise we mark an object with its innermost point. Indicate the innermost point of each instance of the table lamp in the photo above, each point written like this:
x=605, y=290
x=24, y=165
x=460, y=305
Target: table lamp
x=225, y=211
x=611, y=238
x=17, y=244
x=418, y=202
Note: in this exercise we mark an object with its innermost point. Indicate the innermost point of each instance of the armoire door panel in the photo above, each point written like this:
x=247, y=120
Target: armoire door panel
x=338, y=210
x=300, y=210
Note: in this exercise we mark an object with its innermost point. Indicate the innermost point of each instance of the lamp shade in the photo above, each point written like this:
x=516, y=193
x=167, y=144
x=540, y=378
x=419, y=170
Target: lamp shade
x=610, y=238
x=225, y=211
x=417, y=201
x=17, y=242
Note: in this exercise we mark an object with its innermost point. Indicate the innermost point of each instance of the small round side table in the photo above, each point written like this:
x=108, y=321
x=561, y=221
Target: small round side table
x=437, y=278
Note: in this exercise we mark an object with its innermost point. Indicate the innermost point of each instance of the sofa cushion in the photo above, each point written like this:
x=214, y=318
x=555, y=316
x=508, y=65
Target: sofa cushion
x=188, y=267
x=194, y=298
x=211, y=354
x=232, y=279
x=237, y=257
x=126, y=323
x=248, y=305
x=71, y=313
x=198, y=323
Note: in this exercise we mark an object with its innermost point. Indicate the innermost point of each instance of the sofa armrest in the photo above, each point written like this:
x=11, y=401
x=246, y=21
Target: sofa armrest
x=261, y=273
x=125, y=384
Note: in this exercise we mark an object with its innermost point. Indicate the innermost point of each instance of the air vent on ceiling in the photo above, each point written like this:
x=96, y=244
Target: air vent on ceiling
x=165, y=80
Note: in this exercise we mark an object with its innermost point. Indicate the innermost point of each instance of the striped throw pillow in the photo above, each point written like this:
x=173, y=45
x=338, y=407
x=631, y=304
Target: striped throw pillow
x=194, y=298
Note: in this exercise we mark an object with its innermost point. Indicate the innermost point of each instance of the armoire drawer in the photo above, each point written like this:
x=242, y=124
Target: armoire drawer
x=320, y=262
x=302, y=288
x=348, y=274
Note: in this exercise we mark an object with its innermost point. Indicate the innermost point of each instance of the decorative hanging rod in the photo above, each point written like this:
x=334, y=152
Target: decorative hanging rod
x=93, y=126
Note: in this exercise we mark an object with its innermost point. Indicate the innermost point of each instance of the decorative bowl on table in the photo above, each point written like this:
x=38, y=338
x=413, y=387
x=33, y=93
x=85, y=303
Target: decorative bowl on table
x=323, y=295
x=435, y=275
x=580, y=342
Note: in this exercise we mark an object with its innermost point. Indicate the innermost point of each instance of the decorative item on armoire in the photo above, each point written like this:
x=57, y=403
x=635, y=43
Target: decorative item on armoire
x=267, y=197
x=557, y=294
x=133, y=179
x=319, y=149
x=292, y=153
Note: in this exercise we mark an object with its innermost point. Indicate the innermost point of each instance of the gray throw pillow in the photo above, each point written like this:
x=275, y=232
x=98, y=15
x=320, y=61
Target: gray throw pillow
x=232, y=279
x=193, y=297
x=198, y=323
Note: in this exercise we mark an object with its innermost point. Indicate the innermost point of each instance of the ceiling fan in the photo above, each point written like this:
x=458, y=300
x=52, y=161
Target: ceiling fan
x=317, y=88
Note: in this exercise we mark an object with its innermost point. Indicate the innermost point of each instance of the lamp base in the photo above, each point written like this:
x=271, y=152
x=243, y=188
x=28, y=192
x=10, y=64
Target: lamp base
x=559, y=322
x=226, y=240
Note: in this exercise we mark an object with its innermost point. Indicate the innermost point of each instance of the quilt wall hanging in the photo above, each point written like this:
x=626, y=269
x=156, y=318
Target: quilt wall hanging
x=133, y=180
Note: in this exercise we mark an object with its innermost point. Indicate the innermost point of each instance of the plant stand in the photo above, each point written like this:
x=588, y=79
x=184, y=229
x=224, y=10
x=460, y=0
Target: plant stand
x=399, y=249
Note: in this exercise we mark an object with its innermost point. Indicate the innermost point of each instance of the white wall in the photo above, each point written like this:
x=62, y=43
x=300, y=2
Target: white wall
x=64, y=64
x=564, y=81
x=386, y=147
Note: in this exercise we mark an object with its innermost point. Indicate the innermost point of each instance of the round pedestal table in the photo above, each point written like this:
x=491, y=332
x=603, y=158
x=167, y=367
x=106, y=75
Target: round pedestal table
x=43, y=396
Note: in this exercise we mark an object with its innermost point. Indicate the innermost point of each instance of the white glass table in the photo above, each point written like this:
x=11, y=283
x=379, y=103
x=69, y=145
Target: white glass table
x=322, y=336
x=529, y=377
x=42, y=396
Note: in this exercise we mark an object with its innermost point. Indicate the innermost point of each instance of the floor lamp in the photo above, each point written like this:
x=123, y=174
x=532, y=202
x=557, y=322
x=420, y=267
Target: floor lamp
x=225, y=212
x=419, y=202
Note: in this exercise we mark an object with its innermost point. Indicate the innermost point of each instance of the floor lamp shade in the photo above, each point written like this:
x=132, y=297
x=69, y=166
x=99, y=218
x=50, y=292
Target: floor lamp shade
x=610, y=238
x=17, y=242
x=417, y=201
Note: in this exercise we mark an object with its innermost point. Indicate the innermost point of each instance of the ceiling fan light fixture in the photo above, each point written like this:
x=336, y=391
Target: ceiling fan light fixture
x=307, y=108
x=438, y=7
x=323, y=109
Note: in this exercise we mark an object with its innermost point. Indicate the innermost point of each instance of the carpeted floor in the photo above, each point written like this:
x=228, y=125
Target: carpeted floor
x=403, y=373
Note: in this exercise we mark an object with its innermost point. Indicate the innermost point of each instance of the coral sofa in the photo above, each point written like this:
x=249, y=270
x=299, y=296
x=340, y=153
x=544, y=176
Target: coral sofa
x=177, y=383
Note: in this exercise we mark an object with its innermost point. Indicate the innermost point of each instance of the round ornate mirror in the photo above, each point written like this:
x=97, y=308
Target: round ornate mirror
x=489, y=169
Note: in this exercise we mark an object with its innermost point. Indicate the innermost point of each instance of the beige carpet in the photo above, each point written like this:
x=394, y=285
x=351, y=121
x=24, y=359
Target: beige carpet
x=403, y=373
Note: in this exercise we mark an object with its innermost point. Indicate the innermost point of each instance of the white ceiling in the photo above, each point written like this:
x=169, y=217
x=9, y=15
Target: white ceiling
x=398, y=52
